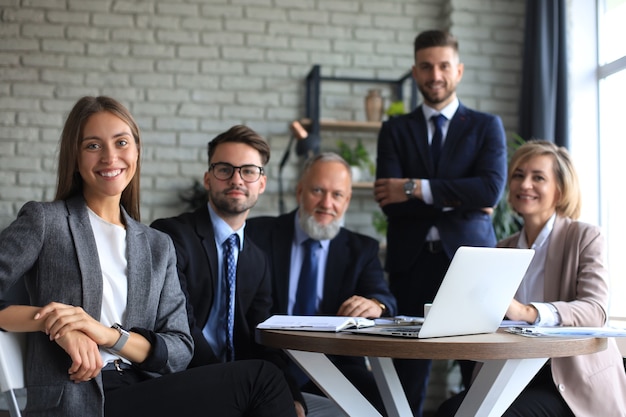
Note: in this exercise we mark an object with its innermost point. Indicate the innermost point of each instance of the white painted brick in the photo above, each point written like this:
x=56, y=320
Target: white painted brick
x=111, y=20
x=133, y=7
x=177, y=37
x=268, y=14
x=198, y=110
x=62, y=77
x=158, y=21
x=307, y=44
x=45, y=4
x=133, y=35
x=242, y=53
x=132, y=65
x=339, y=5
x=289, y=29
x=222, y=10
x=85, y=63
x=237, y=83
x=245, y=26
x=177, y=123
x=88, y=5
x=243, y=112
x=38, y=119
x=179, y=67
x=153, y=50
x=351, y=19
x=62, y=46
x=41, y=30
x=223, y=38
x=267, y=41
x=23, y=15
x=213, y=97
x=68, y=17
x=152, y=80
x=289, y=57
x=18, y=45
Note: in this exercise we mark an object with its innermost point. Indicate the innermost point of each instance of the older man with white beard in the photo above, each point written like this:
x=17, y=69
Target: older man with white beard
x=348, y=278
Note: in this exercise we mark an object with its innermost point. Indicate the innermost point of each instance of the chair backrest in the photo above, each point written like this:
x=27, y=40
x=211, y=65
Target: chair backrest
x=12, y=352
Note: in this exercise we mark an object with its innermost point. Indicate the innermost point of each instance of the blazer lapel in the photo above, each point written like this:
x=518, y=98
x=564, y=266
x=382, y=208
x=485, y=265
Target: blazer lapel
x=87, y=254
x=204, y=228
x=336, y=267
x=554, y=260
x=282, y=237
x=457, y=127
x=139, y=270
x=419, y=133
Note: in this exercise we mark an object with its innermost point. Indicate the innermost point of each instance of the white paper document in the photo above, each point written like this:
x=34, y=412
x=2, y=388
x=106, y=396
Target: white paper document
x=567, y=331
x=315, y=323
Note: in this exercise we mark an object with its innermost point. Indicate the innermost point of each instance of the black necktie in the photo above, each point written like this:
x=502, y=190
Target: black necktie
x=306, y=295
x=435, y=145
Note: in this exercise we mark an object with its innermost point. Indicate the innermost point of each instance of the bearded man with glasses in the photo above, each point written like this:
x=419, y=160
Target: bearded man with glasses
x=223, y=274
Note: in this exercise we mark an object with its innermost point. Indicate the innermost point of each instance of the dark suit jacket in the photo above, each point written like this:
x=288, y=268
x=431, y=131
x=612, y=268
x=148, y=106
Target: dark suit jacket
x=471, y=175
x=352, y=268
x=196, y=253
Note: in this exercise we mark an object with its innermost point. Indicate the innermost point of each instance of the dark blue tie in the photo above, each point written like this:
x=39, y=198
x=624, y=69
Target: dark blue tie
x=306, y=295
x=435, y=144
x=230, y=273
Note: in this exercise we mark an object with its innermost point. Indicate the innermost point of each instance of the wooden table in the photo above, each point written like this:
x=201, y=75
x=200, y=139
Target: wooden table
x=510, y=362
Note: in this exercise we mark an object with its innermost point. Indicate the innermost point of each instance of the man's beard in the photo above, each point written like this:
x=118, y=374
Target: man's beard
x=436, y=100
x=319, y=231
x=228, y=206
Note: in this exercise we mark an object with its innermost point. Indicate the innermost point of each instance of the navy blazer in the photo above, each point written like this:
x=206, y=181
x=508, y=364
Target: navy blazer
x=471, y=175
x=352, y=268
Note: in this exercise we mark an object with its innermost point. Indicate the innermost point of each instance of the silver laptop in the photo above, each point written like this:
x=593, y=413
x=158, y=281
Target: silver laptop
x=473, y=297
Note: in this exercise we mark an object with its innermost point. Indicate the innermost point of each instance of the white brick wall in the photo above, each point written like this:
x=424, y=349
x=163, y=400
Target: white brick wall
x=188, y=70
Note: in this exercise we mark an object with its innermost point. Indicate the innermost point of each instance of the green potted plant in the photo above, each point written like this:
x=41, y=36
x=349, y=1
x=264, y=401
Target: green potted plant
x=506, y=221
x=396, y=108
x=357, y=157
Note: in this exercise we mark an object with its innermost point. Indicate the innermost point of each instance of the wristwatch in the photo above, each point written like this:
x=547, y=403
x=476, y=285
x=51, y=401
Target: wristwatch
x=381, y=305
x=124, y=335
x=409, y=187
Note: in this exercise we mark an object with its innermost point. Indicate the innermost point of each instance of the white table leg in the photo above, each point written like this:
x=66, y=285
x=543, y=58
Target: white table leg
x=390, y=388
x=497, y=385
x=333, y=383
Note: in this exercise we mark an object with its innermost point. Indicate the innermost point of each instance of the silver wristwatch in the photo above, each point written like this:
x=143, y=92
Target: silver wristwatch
x=124, y=335
x=409, y=187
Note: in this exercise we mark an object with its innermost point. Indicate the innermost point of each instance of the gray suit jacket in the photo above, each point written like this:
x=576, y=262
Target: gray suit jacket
x=52, y=246
x=576, y=283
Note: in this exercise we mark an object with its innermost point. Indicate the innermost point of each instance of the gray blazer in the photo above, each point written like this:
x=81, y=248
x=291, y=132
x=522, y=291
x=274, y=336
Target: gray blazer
x=52, y=246
x=576, y=283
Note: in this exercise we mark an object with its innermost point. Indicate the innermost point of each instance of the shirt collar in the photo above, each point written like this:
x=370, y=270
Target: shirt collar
x=222, y=230
x=447, y=111
x=542, y=237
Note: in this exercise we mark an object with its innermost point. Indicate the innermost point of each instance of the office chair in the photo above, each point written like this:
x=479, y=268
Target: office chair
x=12, y=348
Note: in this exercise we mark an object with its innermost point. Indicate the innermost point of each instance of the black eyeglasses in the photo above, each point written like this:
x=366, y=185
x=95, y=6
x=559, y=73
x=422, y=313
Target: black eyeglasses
x=224, y=171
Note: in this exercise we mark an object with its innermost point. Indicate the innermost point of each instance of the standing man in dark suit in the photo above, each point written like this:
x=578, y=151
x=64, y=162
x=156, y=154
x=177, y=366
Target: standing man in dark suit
x=349, y=280
x=440, y=169
x=222, y=326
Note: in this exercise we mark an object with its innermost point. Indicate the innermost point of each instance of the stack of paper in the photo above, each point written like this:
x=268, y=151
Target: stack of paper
x=315, y=323
x=566, y=331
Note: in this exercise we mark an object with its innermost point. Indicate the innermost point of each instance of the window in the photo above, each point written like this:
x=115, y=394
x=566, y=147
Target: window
x=612, y=143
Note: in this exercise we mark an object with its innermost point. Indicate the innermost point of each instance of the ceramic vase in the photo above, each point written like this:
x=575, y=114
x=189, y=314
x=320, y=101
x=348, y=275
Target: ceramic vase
x=374, y=106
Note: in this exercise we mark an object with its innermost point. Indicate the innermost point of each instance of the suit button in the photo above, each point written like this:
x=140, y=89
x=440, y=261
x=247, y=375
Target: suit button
x=561, y=387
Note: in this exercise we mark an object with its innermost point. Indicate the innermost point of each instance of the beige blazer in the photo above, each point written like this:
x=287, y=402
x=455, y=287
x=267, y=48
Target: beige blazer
x=576, y=283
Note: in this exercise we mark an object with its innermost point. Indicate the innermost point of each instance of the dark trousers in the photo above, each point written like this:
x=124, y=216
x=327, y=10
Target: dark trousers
x=539, y=399
x=412, y=290
x=250, y=388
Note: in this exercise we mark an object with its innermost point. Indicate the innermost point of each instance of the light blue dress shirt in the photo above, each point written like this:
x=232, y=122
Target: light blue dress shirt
x=214, y=331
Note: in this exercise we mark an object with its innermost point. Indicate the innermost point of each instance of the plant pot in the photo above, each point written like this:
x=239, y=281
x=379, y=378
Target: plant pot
x=357, y=173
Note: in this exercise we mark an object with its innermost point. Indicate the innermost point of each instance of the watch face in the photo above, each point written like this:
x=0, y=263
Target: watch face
x=408, y=187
